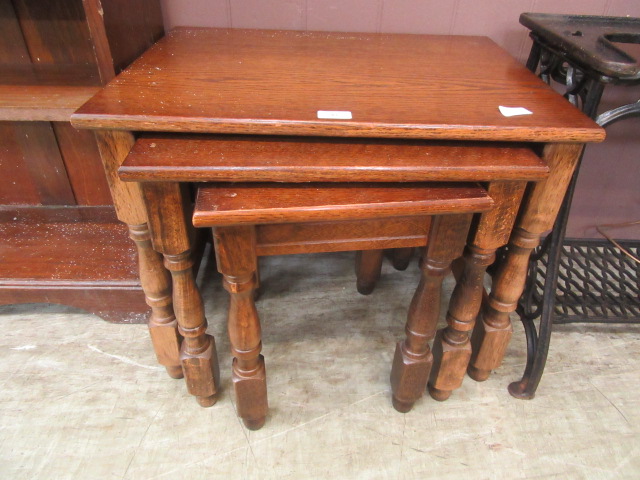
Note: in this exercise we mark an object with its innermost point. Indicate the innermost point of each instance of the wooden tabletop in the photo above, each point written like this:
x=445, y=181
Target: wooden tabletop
x=276, y=82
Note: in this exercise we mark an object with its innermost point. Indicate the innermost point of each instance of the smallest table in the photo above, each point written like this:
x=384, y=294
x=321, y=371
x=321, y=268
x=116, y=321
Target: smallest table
x=161, y=163
x=254, y=219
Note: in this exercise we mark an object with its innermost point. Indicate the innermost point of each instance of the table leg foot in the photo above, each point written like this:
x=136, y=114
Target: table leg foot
x=437, y=394
x=489, y=345
x=254, y=424
x=400, y=406
x=207, y=401
x=401, y=257
x=519, y=390
x=451, y=352
x=175, y=371
x=409, y=375
x=477, y=374
x=201, y=371
x=251, y=394
x=368, y=267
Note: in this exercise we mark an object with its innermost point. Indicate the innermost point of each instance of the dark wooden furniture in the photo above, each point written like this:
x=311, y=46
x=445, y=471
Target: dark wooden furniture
x=60, y=240
x=585, y=54
x=221, y=81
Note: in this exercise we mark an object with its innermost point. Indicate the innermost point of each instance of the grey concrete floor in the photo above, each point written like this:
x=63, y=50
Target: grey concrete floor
x=84, y=399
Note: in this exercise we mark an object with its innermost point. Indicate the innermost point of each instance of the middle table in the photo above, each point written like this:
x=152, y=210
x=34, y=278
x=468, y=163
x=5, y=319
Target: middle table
x=162, y=163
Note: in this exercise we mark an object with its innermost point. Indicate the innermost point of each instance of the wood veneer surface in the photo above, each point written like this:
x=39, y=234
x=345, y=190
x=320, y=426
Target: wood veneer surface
x=292, y=159
x=275, y=82
x=42, y=103
x=41, y=246
x=251, y=203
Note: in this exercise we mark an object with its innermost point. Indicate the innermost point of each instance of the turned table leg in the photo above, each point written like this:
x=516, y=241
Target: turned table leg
x=236, y=258
x=451, y=347
x=154, y=278
x=491, y=336
x=156, y=284
x=368, y=267
x=401, y=257
x=167, y=207
x=538, y=212
x=413, y=359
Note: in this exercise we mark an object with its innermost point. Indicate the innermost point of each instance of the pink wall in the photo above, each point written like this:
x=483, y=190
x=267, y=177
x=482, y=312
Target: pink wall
x=607, y=191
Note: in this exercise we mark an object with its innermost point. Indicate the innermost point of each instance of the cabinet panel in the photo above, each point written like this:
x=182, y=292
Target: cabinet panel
x=131, y=27
x=84, y=167
x=12, y=47
x=17, y=186
x=65, y=41
x=31, y=159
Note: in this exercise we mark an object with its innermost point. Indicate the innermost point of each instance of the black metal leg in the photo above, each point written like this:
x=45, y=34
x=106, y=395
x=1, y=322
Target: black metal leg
x=538, y=341
x=534, y=57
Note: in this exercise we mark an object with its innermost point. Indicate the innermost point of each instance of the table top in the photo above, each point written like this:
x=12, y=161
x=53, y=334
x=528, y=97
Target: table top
x=276, y=83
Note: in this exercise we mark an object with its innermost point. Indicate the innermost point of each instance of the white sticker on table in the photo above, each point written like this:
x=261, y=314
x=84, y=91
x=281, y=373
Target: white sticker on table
x=514, y=111
x=334, y=114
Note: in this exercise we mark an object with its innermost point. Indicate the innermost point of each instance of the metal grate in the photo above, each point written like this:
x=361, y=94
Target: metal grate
x=596, y=282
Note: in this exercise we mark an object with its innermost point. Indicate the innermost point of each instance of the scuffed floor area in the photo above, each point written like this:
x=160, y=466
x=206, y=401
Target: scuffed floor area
x=81, y=398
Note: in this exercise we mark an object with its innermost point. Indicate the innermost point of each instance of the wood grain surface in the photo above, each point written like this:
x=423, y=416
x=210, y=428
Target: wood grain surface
x=275, y=82
x=82, y=161
x=42, y=103
x=40, y=246
x=294, y=159
x=308, y=237
x=237, y=204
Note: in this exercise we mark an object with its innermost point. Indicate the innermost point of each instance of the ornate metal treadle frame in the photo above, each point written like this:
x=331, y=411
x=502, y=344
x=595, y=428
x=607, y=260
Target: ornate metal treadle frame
x=614, y=296
x=597, y=283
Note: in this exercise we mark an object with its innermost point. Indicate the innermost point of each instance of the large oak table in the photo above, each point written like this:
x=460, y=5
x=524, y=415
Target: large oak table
x=427, y=91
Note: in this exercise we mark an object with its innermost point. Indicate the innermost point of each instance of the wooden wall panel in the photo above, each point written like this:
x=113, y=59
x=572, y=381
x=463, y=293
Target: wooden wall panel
x=65, y=40
x=132, y=26
x=42, y=157
x=31, y=161
x=12, y=47
x=83, y=165
x=17, y=186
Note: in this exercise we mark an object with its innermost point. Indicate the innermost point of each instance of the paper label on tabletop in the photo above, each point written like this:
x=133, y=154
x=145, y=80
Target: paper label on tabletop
x=513, y=111
x=335, y=114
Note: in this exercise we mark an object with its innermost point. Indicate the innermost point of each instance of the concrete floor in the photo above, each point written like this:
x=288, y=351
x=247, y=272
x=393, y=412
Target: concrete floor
x=84, y=399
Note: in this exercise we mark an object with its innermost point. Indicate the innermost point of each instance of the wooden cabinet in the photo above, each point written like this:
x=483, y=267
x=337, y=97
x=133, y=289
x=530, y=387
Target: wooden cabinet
x=60, y=241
